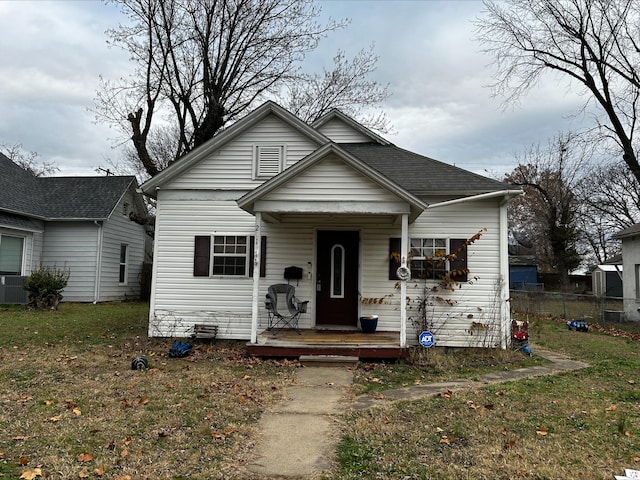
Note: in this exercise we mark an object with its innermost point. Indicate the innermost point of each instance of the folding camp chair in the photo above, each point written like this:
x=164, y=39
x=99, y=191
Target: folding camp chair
x=283, y=307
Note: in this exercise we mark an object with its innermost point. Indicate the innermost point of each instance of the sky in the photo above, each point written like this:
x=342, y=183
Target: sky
x=52, y=54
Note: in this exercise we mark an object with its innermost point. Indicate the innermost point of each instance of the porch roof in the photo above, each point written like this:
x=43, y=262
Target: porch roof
x=393, y=199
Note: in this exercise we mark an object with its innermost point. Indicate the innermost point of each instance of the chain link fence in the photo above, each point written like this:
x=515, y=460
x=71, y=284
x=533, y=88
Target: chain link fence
x=569, y=306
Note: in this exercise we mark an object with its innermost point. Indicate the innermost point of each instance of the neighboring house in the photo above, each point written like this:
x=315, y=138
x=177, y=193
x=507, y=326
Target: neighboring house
x=630, y=238
x=335, y=200
x=607, y=281
x=81, y=224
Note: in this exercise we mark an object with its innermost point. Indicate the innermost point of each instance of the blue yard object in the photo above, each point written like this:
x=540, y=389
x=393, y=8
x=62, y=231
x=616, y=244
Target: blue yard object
x=180, y=349
x=578, y=325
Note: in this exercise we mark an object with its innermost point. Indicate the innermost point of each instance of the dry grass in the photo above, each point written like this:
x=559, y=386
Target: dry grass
x=75, y=409
x=583, y=424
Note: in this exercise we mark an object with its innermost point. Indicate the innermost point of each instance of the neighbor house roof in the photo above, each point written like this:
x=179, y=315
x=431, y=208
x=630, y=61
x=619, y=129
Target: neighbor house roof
x=58, y=198
x=631, y=231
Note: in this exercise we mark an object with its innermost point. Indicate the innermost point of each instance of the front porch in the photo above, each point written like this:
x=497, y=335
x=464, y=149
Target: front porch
x=353, y=343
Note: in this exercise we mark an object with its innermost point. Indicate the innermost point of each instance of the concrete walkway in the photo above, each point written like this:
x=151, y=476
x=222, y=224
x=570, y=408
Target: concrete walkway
x=298, y=437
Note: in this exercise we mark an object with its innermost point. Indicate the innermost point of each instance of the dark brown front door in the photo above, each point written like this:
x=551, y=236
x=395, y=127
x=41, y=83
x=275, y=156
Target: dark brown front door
x=337, y=278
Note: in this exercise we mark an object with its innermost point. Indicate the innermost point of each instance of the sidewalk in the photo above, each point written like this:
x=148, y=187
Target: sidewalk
x=298, y=437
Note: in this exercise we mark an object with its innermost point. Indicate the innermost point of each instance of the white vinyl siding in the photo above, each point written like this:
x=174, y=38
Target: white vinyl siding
x=72, y=246
x=231, y=167
x=340, y=132
x=119, y=230
x=331, y=180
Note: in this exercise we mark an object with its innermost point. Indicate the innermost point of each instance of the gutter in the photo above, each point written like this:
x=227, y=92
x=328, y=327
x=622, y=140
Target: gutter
x=96, y=290
x=482, y=196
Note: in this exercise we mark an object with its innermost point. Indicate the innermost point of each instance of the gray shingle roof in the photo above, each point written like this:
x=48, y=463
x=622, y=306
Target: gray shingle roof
x=78, y=198
x=18, y=221
x=418, y=174
x=632, y=231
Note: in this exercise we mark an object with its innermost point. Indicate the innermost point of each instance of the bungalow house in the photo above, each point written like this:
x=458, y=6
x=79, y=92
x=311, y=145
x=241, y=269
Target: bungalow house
x=357, y=216
x=630, y=238
x=81, y=224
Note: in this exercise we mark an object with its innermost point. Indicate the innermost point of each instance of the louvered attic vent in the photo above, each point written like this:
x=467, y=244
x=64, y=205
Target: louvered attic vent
x=268, y=160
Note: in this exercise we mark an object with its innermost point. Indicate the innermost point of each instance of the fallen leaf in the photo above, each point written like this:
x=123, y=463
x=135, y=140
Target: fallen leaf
x=31, y=474
x=124, y=453
x=83, y=473
x=612, y=408
x=57, y=418
x=125, y=477
x=85, y=457
x=143, y=401
x=379, y=396
x=23, y=461
x=99, y=471
x=445, y=440
x=631, y=382
x=77, y=411
x=126, y=441
x=542, y=431
x=504, y=432
x=509, y=444
x=48, y=402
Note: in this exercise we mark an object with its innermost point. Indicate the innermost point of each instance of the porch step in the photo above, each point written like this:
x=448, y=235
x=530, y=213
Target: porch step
x=328, y=360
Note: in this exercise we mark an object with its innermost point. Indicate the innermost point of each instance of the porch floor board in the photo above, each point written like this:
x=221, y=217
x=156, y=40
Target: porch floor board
x=288, y=343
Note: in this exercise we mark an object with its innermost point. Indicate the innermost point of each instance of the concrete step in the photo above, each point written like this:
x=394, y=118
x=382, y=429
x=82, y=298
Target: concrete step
x=328, y=360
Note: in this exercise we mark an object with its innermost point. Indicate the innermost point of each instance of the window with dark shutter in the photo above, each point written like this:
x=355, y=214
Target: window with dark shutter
x=421, y=249
x=202, y=256
x=458, y=265
x=232, y=255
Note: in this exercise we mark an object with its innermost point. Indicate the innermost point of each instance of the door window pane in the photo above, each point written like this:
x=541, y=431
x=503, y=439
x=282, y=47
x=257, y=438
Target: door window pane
x=337, y=271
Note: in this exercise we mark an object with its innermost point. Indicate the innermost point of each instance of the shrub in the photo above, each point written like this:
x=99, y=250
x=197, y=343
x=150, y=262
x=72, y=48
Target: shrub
x=45, y=286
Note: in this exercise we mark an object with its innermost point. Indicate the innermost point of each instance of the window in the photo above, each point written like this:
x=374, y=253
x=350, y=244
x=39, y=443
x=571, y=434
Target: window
x=268, y=161
x=337, y=271
x=426, y=258
x=230, y=255
x=124, y=260
x=11, y=249
x=226, y=255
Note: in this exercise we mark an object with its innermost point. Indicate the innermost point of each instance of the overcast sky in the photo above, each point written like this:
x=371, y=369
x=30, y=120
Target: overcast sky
x=53, y=52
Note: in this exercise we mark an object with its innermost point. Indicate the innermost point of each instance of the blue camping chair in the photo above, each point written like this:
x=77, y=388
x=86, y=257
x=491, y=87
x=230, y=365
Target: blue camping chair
x=283, y=308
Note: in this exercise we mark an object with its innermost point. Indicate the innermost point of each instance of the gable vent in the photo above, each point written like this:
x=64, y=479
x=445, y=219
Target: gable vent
x=269, y=160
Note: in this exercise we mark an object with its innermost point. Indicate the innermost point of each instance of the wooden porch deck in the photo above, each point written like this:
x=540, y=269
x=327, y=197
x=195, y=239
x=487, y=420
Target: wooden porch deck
x=353, y=343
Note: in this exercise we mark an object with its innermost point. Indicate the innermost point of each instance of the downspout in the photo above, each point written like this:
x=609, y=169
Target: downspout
x=404, y=253
x=256, y=278
x=96, y=290
x=504, y=307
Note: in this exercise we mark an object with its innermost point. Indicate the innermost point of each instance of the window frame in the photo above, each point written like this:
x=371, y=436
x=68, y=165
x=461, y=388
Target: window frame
x=123, y=266
x=418, y=263
x=23, y=240
x=457, y=268
x=203, y=255
x=260, y=149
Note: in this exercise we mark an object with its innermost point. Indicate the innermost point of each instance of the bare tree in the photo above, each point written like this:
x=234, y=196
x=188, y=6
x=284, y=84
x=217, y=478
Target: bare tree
x=610, y=201
x=592, y=43
x=201, y=64
x=28, y=160
x=548, y=212
x=345, y=87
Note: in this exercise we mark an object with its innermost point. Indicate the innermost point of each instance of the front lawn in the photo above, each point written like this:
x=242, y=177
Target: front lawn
x=583, y=424
x=73, y=408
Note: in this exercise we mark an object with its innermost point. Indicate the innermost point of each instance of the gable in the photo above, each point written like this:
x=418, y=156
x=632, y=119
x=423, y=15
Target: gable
x=330, y=179
x=231, y=166
x=340, y=132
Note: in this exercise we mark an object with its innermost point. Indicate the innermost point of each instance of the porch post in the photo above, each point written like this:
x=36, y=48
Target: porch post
x=257, y=258
x=404, y=244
